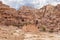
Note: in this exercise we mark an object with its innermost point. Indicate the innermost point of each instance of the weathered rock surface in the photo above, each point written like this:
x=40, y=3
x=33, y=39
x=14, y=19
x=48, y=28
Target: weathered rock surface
x=45, y=19
x=29, y=23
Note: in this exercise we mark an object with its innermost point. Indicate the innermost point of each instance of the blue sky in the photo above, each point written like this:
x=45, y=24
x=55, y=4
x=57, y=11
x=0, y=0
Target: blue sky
x=34, y=3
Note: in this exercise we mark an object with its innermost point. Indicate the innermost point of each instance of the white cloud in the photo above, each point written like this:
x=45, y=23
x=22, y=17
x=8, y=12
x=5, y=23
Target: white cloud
x=13, y=3
x=35, y=3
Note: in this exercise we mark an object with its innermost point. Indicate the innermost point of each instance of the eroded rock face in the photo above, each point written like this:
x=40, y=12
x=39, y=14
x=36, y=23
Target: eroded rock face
x=51, y=18
x=9, y=16
x=46, y=19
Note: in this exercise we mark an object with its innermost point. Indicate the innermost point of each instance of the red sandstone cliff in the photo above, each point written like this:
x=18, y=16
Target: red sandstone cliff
x=45, y=19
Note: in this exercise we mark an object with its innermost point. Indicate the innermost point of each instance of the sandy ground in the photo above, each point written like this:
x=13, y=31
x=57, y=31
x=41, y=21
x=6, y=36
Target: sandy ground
x=13, y=33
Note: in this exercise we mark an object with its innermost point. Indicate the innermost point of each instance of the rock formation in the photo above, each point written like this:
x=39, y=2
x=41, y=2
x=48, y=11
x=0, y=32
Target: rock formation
x=46, y=19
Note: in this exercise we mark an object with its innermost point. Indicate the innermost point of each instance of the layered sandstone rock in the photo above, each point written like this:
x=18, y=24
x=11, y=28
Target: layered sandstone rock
x=27, y=23
x=9, y=16
x=46, y=19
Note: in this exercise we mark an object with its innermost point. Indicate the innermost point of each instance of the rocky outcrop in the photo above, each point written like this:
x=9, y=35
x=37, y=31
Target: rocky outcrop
x=8, y=15
x=51, y=18
x=45, y=19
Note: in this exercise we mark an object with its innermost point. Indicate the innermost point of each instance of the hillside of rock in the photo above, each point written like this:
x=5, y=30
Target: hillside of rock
x=45, y=19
